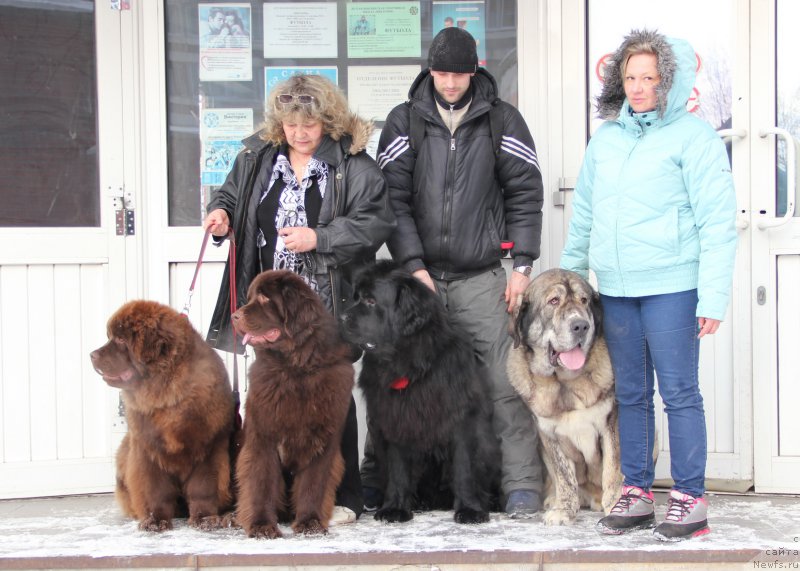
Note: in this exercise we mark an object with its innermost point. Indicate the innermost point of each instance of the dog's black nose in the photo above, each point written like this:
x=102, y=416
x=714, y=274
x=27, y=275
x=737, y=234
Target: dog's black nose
x=579, y=326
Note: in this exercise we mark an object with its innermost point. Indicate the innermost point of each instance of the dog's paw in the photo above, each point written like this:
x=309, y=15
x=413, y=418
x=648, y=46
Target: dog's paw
x=558, y=517
x=393, y=515
x=208, y=523
x=311, y=526
x=264, y=531
x=150, y=523
x=469, y=515
x=228, y=519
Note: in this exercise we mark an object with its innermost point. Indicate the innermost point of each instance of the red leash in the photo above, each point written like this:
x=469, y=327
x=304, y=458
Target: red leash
x=232, y=282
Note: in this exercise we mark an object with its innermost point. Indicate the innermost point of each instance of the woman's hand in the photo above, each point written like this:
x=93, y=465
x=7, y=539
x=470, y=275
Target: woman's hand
x=706, y=326
x=218, y=222
x=299, y=239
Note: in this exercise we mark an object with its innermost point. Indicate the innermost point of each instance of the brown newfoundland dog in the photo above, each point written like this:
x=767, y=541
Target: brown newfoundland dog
x=300, y=386
x=180, y=412
x=427, y=394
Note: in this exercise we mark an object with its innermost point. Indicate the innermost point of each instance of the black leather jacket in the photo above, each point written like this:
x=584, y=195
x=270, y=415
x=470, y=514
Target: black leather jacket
x=354, y=221
x=455, y=201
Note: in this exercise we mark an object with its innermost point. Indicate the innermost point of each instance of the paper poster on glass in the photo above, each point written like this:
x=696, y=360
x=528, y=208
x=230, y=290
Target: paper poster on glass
x=224, y=40
x=373, y=91
x=383, y=29
x=300, y=30
x=221, y=133
x=467, y=14
x=273, y=75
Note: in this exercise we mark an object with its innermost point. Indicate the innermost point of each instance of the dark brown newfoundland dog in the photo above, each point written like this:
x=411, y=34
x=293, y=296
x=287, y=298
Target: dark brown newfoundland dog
x=179, y=408
x=428, y=404
x=297, y=403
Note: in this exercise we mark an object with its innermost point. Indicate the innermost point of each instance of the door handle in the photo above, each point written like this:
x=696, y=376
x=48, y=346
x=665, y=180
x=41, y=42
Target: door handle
x=791, y=180
x=731, y=133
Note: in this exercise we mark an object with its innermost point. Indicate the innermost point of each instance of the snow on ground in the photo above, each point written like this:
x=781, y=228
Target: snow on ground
x=95, y=527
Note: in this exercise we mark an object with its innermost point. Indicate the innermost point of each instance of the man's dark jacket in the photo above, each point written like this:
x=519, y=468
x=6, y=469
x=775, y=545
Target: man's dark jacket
x=455, y=200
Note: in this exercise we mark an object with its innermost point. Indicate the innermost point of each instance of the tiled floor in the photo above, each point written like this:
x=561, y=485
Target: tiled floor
x=90, y=532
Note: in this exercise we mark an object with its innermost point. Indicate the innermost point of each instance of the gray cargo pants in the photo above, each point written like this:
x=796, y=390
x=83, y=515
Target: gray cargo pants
x=477, y=305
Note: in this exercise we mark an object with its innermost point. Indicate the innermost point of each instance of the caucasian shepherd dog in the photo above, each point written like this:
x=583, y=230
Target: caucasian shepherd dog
x=560, y=366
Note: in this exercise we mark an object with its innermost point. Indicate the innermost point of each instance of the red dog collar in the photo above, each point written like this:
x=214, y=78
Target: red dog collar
x=399, y=384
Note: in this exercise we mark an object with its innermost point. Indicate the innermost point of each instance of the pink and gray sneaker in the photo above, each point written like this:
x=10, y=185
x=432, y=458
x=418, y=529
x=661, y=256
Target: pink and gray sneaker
x=633, y=510
x=686, y=518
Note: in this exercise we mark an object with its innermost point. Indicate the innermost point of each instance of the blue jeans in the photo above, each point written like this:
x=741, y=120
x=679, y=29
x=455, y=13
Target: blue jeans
x=657, y=333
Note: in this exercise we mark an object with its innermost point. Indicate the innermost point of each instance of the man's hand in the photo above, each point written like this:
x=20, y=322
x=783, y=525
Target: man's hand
x=514, y=288
x=425, y=277
x=706, y=326
x=218, y=222
x=299, y=238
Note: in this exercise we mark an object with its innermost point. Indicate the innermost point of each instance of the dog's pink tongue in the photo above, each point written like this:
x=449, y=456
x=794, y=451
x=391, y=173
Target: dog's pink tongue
x=573, y=359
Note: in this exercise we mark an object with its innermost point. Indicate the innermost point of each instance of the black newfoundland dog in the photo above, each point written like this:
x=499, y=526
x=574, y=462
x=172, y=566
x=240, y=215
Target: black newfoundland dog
x=428, y=404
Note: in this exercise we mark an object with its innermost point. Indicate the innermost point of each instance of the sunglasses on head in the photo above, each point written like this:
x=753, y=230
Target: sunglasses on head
x=287, y=98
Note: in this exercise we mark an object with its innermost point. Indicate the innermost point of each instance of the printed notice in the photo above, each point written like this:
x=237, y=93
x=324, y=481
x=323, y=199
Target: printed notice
x=300, y=30
x=469, y=15
x=373, y=91
x=224, y=40
x=383, y=29
x=221, y=133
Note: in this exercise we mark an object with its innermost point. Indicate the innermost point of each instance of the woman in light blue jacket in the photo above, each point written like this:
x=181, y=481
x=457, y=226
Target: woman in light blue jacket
x=654, y=218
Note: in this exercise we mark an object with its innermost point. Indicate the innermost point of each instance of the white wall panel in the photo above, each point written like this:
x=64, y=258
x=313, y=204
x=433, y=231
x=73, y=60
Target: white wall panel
x=788, y=355
x=16, y=372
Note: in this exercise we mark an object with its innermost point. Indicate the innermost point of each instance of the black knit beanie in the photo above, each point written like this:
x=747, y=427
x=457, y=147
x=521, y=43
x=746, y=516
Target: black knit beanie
x=453, y=50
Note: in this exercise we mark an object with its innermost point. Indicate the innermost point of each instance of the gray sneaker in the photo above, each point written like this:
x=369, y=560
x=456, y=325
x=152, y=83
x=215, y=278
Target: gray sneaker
x=633, y=510
x=686, y=518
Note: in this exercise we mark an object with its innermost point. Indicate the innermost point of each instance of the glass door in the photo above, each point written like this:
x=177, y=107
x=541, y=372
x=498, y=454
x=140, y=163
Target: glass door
x=774, y=134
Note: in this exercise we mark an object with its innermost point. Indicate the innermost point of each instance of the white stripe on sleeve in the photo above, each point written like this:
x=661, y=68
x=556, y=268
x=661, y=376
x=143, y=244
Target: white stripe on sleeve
x=519, y=149
x=393, y=150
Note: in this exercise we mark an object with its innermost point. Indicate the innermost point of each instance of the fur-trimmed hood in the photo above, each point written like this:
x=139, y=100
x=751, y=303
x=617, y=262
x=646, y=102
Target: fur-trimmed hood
x=676, y=66
x=359, y=131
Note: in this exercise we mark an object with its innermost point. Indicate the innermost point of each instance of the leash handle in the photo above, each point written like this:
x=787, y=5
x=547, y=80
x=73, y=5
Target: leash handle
x=188, y=304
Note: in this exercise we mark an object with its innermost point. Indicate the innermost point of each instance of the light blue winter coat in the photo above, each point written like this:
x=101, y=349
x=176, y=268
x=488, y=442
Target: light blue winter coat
x=654, y=207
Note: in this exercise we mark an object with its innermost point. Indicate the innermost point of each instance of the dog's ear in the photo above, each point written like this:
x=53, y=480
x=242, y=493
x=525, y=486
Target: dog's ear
x=414, y=304
x=299, y=308
x=596, y=308
x=521, y=322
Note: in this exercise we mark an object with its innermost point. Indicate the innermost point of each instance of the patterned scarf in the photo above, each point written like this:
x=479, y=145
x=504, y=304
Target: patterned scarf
x=292, y=213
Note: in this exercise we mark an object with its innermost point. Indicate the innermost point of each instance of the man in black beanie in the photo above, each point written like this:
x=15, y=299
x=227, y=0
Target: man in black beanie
x=465, y=185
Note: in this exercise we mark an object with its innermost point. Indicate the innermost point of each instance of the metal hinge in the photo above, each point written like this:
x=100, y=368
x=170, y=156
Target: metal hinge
x=124, y=215
x=564, y=185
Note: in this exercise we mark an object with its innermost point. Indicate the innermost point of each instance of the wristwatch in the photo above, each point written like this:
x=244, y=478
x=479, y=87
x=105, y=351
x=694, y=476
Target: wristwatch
x=524, y=270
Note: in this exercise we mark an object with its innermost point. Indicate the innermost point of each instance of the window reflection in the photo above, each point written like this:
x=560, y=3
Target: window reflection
x=610, y=20
x=189, y=99
x=48, y=115
x=788, y=90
